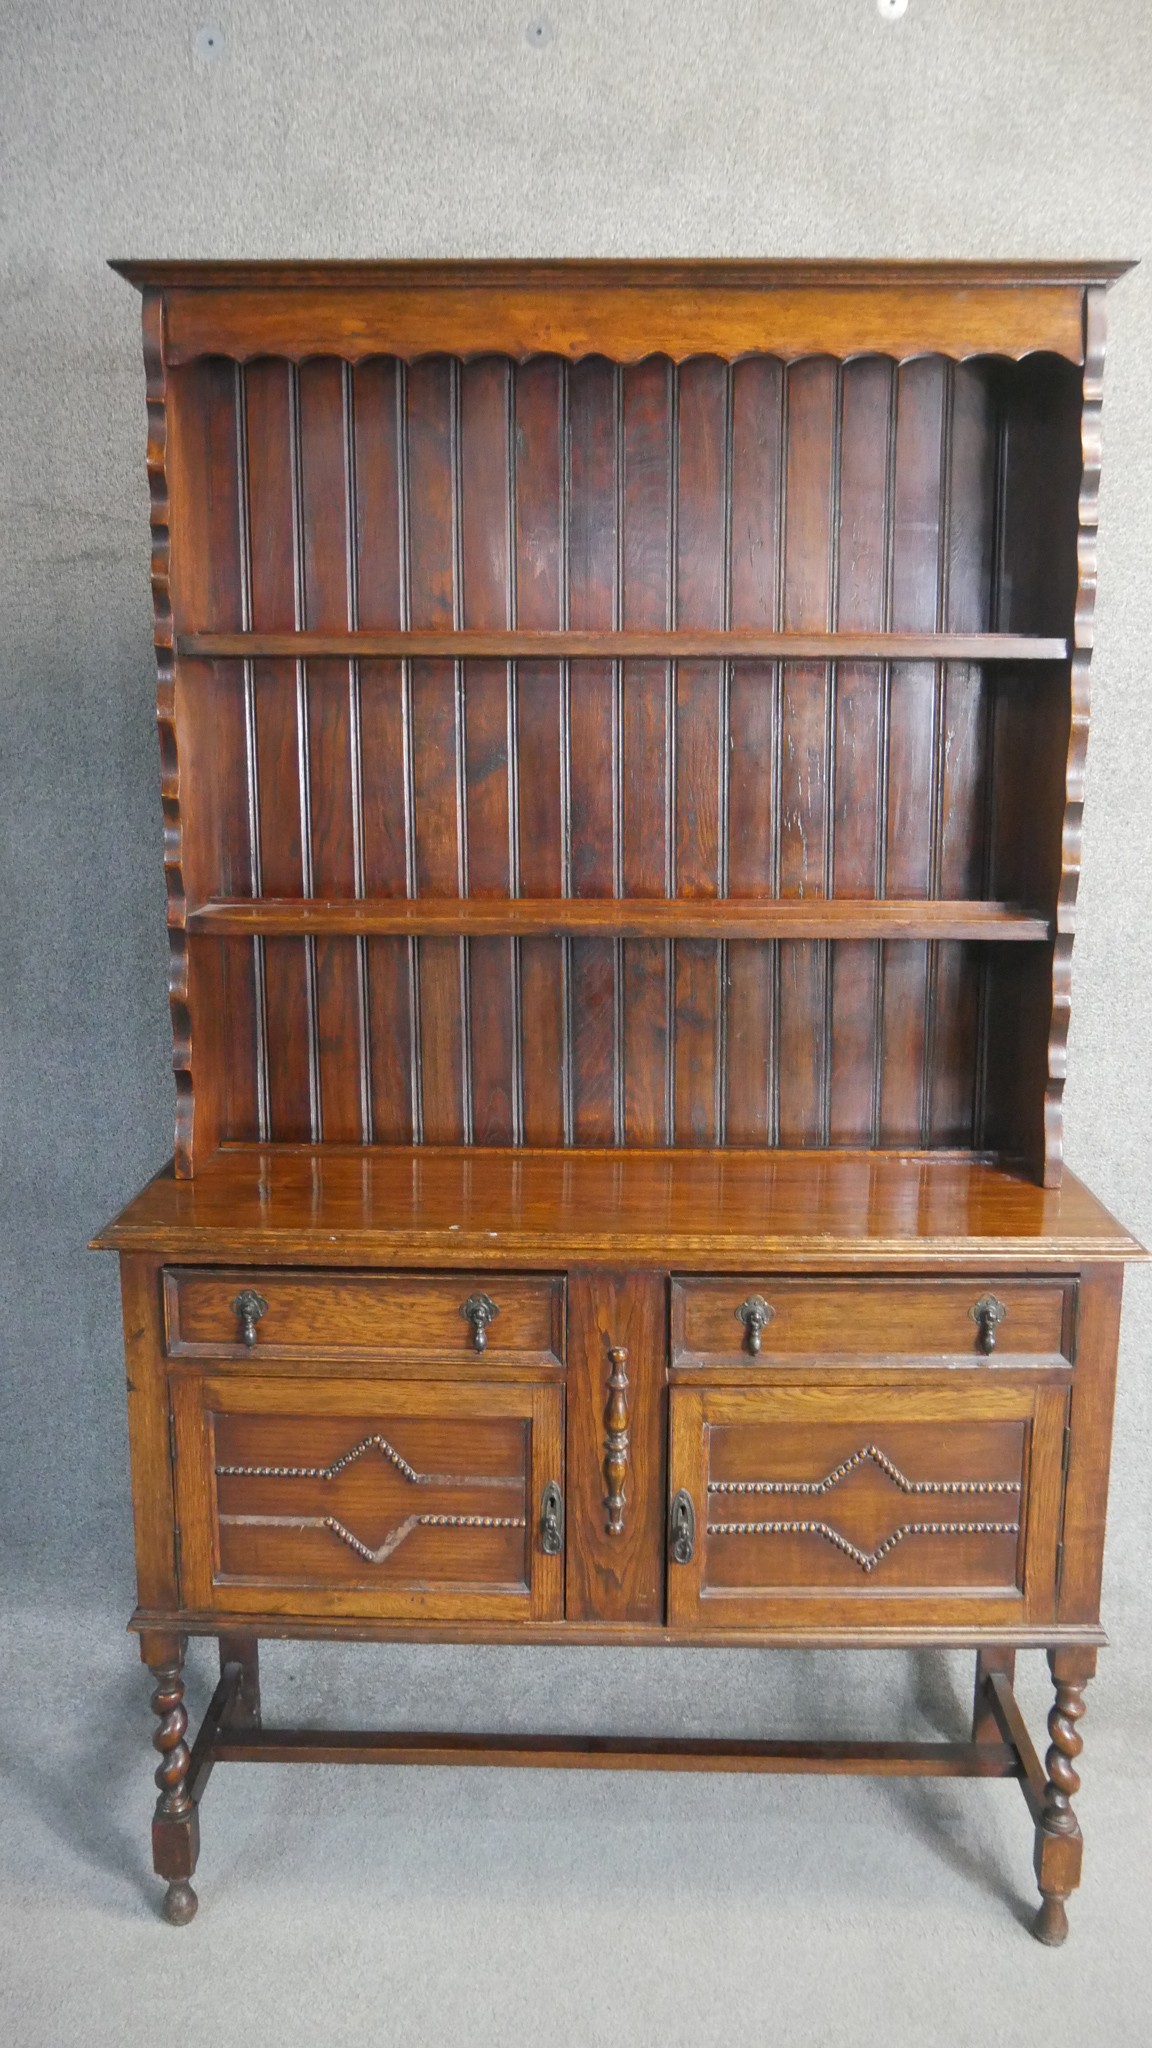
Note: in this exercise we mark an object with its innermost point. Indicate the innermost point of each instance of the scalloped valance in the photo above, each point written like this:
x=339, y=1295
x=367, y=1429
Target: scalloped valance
x=623, y=310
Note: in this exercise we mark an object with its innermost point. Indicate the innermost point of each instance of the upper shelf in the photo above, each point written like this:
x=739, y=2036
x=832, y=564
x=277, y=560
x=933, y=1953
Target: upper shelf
x=616, y=917
x=685, y=645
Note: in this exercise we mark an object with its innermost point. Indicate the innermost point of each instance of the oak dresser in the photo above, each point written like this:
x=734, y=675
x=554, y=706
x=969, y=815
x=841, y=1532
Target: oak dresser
x=622, y=735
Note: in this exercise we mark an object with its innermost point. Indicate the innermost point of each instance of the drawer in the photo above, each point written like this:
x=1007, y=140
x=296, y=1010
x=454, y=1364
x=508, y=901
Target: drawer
x=740, y=1324
x=359, y=1498
x=926, y=1504
x=414, y=1320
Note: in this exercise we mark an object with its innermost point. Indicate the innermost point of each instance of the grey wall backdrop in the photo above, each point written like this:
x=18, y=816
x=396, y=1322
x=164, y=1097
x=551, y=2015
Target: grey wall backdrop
x=384, y=127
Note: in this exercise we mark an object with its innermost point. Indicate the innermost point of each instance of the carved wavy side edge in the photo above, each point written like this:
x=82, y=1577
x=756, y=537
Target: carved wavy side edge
x=352, y=352
x=156, y=375
x=1088, y=516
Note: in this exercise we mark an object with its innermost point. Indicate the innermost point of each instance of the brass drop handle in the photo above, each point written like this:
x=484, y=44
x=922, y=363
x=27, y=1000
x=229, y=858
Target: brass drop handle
x=987, y=1313
x=250, y=1307
x=479, y=1310
x=682, y=1528
x=755, y=1314
x=552, y=1520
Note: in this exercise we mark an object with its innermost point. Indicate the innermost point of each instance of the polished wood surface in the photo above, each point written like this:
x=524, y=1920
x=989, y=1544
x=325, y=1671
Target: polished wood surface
x=622, y=741
x=621, y=310
x=794, y=1635
x=635, y=918
x=934, y=1504
x=817, y=1323
x=755, y=273
x=682, y=645
x=616, y=1576
x=757, y=630
x=349, y=1499
x=735, y=1209
x=448, y=1320
x=625, y=1753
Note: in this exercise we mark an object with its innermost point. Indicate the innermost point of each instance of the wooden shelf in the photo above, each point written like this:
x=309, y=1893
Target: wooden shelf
x=625, y=646
x=632, y=918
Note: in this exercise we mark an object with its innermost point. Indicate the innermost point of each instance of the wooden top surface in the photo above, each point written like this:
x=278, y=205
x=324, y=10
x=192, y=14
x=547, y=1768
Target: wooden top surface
x=621, y=310
x=774, y=1210
x=755, y=272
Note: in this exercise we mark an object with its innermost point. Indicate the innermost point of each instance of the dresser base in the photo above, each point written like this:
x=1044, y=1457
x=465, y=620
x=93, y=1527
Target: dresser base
x=232, y=1731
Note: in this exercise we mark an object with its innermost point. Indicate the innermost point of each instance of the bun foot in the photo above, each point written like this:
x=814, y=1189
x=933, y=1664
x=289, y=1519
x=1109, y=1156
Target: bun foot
x=180, y=1903
x=1051, y=1923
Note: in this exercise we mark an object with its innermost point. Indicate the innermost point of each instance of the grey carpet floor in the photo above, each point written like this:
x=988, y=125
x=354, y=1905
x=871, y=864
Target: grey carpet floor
x=413, y=1908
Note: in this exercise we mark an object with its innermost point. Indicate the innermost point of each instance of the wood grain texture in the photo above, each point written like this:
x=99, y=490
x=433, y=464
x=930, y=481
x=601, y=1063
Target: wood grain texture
x=1037, y=576
x=156, y=382
x=837, y=1322
x=714, y=636
x=622, y=744
x=624, y=1753
x=395, y=1320
x=683, y=643
x=212, y=718
x=386, y=799
x=622, y=310
x=279, y=743
x=305, y=1627
x=615, y=1574
x=937, y=1502
x=647, y=765
x=157, y=1564
x=751, y=273
x=595, y=747
x=435, y=739
x=732, y=1211
x=858, y=739
x=539, y=427
x=1059, y=1846
x=920, y=515
x=1089, y=1444
x=1088, y=514
x=630, y=917
x=487, y=572
x=332, y=710
x=757, y=468
x=367, y=1499
x=811, y=482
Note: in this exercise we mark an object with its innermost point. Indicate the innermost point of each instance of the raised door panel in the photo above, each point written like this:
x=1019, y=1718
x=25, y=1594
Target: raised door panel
x=903, y=1507
x=353, y=1498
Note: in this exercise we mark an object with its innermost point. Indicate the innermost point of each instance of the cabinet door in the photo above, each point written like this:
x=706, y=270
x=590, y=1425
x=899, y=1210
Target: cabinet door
x=364, y=1498
x=903, y=1507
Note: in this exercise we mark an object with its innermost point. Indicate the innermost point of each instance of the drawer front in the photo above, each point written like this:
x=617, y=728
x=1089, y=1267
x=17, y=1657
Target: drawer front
x=410, y=1319
x=348, y=1498
x=905, y=1506
x=725, y=1324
